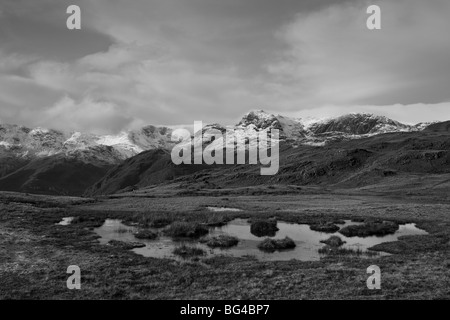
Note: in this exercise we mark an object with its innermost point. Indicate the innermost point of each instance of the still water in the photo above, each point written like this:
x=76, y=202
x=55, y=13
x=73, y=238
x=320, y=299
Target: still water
x=307, y=241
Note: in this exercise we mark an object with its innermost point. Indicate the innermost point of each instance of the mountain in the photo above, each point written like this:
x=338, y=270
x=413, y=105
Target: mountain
x=67, y=163
x=360, y=124
x=61, y=174
x=55, y=162
x=290, y=128
x=31, y=143
x=372, y=160
x=350, y=126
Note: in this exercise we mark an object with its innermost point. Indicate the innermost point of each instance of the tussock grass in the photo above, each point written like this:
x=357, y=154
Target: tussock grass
x=122, y=230
x=263, y=228
x=333, y=241
x=221, y=241
x=327, y=227
x=329, y=250
x=181, y=229
x=271, y=245
x=188, y=251
x=370, y=229
x=125, y=245
x=146, y=234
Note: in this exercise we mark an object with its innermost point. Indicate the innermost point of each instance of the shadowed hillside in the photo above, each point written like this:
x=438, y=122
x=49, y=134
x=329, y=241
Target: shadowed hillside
x=148, y=168
x=345, y=164
x=55, y=175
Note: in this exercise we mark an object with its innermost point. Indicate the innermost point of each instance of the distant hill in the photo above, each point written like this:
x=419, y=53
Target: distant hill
x=54, y=175
x=147, y=168
x=439, y=127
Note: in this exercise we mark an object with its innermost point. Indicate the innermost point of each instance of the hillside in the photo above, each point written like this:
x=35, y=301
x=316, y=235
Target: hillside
x=148, y=168
x=347, y=164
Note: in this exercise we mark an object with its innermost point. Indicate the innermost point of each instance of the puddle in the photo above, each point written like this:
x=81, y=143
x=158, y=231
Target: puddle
x=222, y=209
x=307, y=241
x=65, y=221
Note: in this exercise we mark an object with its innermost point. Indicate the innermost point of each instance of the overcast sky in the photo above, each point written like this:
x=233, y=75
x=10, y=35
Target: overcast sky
x=175, y=61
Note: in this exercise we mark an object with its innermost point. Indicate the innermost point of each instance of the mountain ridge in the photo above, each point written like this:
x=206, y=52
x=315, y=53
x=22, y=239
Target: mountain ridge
x=54, y=162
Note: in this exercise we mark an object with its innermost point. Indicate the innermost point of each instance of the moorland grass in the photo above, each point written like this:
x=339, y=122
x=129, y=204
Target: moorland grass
x=220, y=241
x=146, y=234
x=327, y=227
x=271, y=245
x=333, y=241
x=370, y=229
x=264, y=228
x=188, y=251
x=182, y=229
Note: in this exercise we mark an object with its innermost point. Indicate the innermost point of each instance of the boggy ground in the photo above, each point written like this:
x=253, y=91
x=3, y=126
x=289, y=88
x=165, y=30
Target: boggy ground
x=35, y=253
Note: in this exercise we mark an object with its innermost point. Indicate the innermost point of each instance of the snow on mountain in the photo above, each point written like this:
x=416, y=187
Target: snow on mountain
x=290, y=128
x=40, y=142
x=319, y=132
x=360, y=124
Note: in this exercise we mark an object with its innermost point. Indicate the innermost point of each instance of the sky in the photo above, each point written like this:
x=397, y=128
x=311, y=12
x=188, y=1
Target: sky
x=173, y=62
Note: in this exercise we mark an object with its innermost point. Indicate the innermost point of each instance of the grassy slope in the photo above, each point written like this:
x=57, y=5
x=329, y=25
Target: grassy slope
x=345, y=164
x=54, y=175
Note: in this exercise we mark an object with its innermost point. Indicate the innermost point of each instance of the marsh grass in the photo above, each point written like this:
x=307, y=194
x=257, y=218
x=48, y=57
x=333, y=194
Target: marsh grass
x=368, y=229
x=327, y=227
x=188, y=251
x=125, y=245
x=123, y=230
x=264, y=228
x=271, y=245
x=181, y=229
x=221, y=241
x=329, y=250
x=145, y=234
x=333, y=241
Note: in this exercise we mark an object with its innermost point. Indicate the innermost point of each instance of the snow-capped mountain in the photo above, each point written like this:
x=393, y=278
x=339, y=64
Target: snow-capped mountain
x=349, y=126
x=29, y=143
x=260, y=120
x=360, y=124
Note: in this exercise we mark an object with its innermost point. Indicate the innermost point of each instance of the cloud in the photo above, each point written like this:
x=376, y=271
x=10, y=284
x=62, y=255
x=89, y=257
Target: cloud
x=86, y=115
x=334, y=59
x=173, y=62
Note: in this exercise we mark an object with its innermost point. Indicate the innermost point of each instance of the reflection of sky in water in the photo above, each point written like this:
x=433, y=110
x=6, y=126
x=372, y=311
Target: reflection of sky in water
x=65, y=221
x=307, y=240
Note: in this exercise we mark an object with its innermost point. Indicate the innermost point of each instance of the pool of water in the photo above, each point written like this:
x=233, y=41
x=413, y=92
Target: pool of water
x=65, y=221
x=307, y=241
x=223, y=209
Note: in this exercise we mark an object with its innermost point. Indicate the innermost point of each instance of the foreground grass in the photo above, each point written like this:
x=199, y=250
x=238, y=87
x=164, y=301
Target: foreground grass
x=35, y=254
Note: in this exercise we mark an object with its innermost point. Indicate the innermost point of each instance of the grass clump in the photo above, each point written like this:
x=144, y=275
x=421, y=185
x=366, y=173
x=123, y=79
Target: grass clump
x=221, y=241
x=264, y=228
x=125, y=245
x=327, y=227
x=180, y=229
x=160, y=222
x=368, y=229
x=146, y=234
x=333, y=241
x=122, y=230
x=187, y=251
x=271, y=245
x=329, y=250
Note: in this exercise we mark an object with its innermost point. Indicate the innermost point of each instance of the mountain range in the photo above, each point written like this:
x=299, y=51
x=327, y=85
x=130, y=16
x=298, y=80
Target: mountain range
x=74, y=163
